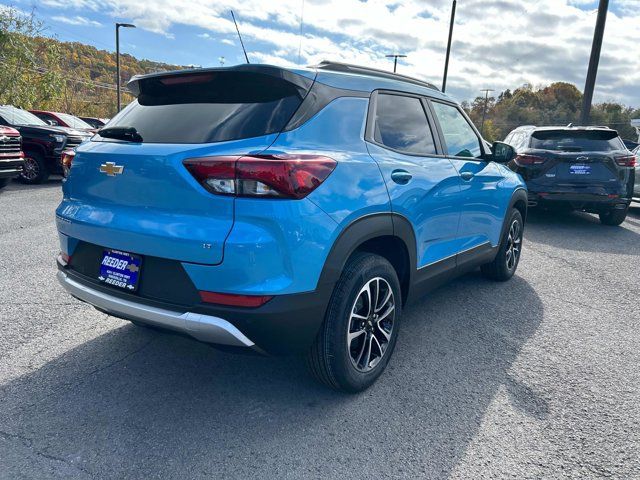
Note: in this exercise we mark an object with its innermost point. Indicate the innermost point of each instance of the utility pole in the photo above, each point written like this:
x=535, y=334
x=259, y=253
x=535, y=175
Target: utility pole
x=484, y=110
x=118, y=25
x=395, y=57
x=596, y=47
x=446, y=62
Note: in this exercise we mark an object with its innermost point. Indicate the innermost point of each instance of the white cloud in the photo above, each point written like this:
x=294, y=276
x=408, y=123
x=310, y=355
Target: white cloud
x=497, y=43
x=226, y=41
x=76, y=20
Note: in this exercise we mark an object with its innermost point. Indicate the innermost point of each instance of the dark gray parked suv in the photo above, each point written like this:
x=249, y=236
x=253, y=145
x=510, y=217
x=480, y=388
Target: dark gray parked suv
x=581, y=168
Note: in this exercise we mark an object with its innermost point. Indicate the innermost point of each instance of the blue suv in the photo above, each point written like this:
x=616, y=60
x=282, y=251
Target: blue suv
x=286, y=211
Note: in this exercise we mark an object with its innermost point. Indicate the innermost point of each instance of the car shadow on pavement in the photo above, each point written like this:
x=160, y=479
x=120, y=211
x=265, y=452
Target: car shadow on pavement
x=581, y=231
x=136, y=403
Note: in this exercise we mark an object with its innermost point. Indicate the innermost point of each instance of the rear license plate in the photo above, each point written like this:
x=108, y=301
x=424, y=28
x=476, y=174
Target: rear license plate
x=580, y=169
x=120, y=269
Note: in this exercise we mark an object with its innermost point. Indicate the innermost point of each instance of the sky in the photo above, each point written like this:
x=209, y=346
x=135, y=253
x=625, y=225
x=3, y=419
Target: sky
x=498, y=44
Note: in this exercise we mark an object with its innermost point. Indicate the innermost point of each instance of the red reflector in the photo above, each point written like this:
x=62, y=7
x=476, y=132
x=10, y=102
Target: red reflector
x=234, y=300
x=528, y=160
x=66, y=259
x=266, y=176
x=612, y=195
x=626, y=160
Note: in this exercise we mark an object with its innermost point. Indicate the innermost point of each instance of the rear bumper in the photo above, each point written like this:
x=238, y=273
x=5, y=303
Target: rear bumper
x=578, y=200
x=287, y=324
x=206, y=328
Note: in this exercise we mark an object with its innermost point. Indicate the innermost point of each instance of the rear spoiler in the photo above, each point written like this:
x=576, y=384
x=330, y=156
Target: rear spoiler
x=304, y=83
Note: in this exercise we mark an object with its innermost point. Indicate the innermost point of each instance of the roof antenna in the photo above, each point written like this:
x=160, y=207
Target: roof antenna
x=239, y=36
x=301, y=23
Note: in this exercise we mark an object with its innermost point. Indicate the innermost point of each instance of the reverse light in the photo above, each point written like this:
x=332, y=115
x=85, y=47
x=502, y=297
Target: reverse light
x=67, y=160
x=232, y=300
x=626, y=160
x=268, y=176
x=524, y=160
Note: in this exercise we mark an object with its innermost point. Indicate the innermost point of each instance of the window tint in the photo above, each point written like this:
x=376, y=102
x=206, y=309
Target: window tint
x=401, y=124
x=460, y=138
x=577, y=141
x=210, y=107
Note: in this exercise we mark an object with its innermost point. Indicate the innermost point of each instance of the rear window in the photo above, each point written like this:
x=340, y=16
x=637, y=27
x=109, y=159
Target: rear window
x=210, y=107
x=577, y=141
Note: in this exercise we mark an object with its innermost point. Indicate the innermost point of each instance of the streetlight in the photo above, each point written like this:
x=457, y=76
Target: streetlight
x=446, y=62
x=118, y=25
x=395, y=60
x=590, y=83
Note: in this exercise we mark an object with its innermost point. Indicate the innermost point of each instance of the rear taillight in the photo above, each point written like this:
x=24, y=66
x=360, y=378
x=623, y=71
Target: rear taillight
x=67, y=160
x=529, y=160
x=267, y=176
x=626, y=160
x=232, y=300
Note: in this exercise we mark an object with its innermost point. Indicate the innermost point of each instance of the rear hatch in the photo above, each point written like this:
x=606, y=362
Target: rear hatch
x=577, y=158
x=131, y=192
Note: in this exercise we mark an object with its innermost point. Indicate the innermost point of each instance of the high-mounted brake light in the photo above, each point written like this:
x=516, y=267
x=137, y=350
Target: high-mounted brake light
x=232, y=300
x=626, y=160
x=524, y=160
x=268, y=176
x=67, y=160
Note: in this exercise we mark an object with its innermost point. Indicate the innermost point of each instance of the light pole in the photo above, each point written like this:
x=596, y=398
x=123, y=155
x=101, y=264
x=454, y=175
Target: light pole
x=593, y=61
x=484, y=110
x=118, y=25
x=446, y=62
x=395, y=59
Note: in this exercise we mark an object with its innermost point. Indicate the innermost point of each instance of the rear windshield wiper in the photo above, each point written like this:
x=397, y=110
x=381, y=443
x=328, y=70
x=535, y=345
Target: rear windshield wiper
x=129, y=134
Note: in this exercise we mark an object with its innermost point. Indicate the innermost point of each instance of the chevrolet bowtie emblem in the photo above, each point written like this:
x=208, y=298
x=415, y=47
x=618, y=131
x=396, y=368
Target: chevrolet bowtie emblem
x=111, y=169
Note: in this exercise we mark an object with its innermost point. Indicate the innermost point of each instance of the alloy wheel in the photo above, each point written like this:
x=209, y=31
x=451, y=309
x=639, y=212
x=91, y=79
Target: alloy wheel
x=31, y=169
x=514, y=243
x=371, y=324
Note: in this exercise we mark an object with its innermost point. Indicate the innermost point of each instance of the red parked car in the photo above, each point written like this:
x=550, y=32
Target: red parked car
x=58, y=119
x=11, y=156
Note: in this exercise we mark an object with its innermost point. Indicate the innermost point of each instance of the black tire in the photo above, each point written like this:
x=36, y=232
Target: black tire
x=4, y=182
x=35, y=170
x=613, y=216
x=505, y=263
x=332, y=358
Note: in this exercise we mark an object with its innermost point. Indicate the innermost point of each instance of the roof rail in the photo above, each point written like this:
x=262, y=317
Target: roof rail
x=372, y=72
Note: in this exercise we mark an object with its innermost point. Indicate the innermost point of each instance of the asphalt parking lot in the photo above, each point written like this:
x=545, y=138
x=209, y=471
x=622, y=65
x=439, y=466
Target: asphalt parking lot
x=535, y=378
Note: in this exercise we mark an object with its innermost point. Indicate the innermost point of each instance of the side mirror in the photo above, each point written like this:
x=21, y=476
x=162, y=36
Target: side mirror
x=502, y=152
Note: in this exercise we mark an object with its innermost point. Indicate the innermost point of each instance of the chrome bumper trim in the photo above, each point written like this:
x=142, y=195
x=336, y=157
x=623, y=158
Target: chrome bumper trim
x=202, y=327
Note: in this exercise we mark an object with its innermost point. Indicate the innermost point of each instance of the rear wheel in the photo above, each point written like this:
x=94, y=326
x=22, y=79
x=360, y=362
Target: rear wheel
x=361, y=326
x=613, y=216
x=4, y=182
x=506, y=262
x=35, y=169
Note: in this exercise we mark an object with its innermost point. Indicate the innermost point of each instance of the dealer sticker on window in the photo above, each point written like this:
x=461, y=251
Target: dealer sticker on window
x=120, y=269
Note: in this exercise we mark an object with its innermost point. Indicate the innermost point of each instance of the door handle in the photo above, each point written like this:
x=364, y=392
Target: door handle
x=466, y=175
x=401, y=177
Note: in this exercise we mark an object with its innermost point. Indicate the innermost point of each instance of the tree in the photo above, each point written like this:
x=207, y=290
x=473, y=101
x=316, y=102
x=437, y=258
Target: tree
x=30, y=72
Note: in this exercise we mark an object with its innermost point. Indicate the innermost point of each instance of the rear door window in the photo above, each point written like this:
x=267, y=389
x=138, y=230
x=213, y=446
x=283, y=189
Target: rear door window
x=459, y=136
x=401, y=124
x=577, y=140
x=210, y=107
